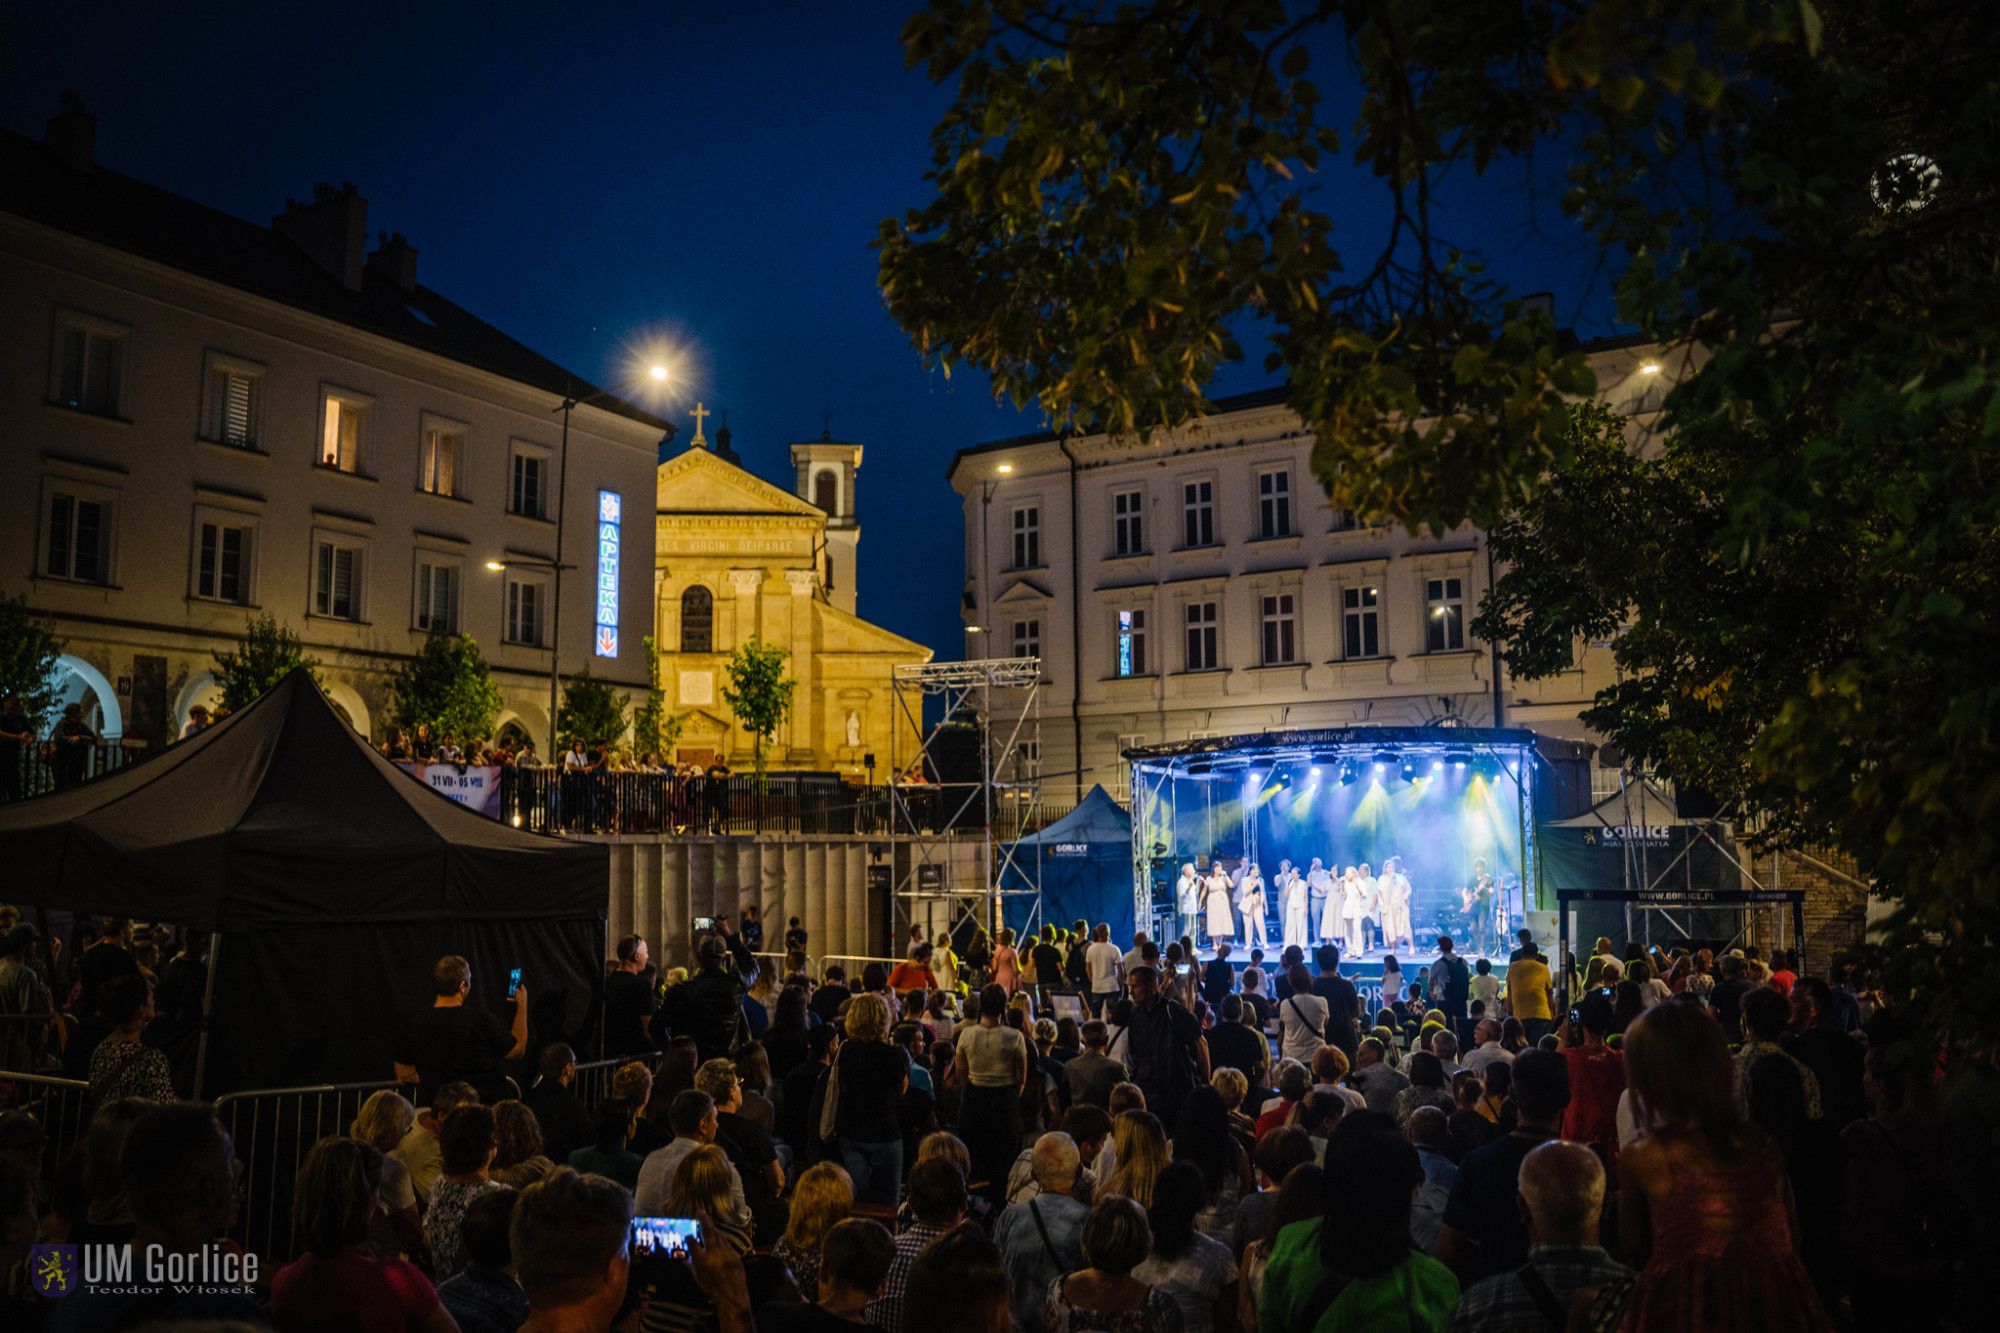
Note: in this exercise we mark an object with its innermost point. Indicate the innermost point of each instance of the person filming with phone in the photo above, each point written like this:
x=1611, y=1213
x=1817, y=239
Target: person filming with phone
x=708, y=1006
x=453, y=1042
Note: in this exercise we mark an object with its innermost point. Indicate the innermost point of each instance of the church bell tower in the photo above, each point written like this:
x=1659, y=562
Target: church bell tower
x=826, y=469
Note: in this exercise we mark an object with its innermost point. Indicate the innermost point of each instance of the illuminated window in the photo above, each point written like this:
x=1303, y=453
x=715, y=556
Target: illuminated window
x=1359, y=612
x=441, y=460
x=340, y=435
x=1444, y=615
x=1132, y=643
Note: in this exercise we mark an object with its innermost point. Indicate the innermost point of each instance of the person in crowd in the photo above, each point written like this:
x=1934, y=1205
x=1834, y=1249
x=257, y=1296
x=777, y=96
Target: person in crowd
x=1105, y=965
x=1363, y=1236
x=178, y=1170
x=748, y=1148
x=1726, y=1000
x=937, y=1197
x=122, y=1066
x=1202, y=1139
x=1199, y=1272
x=708, y=1006
x=1897, y=1181
x=804, y=1087
x=336, y=1284
x=1562, y=1195
x=1731, y=1262
x=1466, y=1129
x=785, y=1039
x=1378, y=1081
x=1278, y=1154
x=419, y=1148
x=1596, y=1076
x=821, y=1202
x=1652, y=990
x=1294, y=1082
x=1107, y=1294
x=1233, y=1043
x=1834, y=1059
x=630, y=1014
x=991, y=1065
x=1167, y=1055
x=753, y=1075
x=695, y=1124
x=1450, y=982
x=23, y=1039
x=569, y=1240
x=832, y=994
x=871, y=1076
x=1483, y=1233
x=396, y=1227
x=1319, y=1114
x=1298, y=1199
x=1427, y=1131
x=851, y=1265
x=1139, y=1153
x=1343, y=1002
x=520, y=1161
x=1764, y=1016
x=1091, y=1075
x=705, y=1185
x=960, y=1270
x=468, y=1141
x=1302, y=1019
x=1234, y=1089
x=484, y=1297
x=451, y=1042
x=609, y=1153
x=566, y=1125
x=1006, y=965
x=1427, y=1088
x=1330, y=1068
x=1485, y=987
x=914, y=973
x=1218, y=978
x=1040, y=1238
x=1444, y=1045
x=1487, y=1047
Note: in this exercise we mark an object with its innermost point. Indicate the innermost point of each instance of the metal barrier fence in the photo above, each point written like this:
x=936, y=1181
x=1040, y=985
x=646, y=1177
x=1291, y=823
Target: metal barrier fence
x=274, y=1129
x=48, y=766
x=63, y=1107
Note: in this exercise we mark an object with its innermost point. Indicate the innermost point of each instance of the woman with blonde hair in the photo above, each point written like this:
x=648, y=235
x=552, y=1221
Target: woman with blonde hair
x=336, y=1283
x=823, y=1198
x=873, y=1076
x=381, y=1123
x=1141, y=1144
x=702, y=1184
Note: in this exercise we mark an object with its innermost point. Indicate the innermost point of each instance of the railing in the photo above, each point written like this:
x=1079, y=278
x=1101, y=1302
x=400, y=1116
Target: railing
x=63, y=1107
x=47, y=766
x=274, y=1129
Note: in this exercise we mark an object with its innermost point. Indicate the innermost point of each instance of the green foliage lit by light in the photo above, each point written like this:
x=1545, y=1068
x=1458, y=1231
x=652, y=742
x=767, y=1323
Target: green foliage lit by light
x=758, y=692
x=654, y=729
x=447, y=684
x=28, y=652
x=265, y=655
x=593, y=711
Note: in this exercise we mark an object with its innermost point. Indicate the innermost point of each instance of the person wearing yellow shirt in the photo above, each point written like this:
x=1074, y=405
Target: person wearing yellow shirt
x=1531, y=995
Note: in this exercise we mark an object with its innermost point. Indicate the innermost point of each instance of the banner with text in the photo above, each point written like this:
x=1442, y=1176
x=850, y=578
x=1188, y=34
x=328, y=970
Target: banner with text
x=475, y=788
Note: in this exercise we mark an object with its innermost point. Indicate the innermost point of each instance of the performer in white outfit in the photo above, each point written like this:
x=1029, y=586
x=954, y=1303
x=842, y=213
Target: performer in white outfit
x=1250, y=901
x=1221, y=922
x=1294, y=896
x=1353, y=909
x=1187, y=900
x=1396, y=906
x=1371, y=907
x=1325, y=901
x=1333, y=914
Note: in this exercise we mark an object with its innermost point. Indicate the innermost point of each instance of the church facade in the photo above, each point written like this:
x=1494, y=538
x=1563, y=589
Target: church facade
x=736, y=557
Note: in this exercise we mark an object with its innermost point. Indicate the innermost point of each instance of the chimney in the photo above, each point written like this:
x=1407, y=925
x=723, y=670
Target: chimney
x=72, y=136
x=395, y=259
x=332, y=230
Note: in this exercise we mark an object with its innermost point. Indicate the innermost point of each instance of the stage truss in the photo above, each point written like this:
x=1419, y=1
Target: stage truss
x=1155, y=792
x=926, y=822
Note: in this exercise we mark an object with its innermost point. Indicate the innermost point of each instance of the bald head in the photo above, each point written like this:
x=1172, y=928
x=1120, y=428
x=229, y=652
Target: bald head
x=1055, y=1163
x=1562, y=1193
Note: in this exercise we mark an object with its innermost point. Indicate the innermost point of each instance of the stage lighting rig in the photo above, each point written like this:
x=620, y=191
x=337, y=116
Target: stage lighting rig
x=1458, y=758
x=1411, y=769
x=1348, y=775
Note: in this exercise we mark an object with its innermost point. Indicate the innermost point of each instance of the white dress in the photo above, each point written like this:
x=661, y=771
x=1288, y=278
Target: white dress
x=1352, y=910
x=1250, y=900
x=1295, y=896
x=1332, y=925
x=1221, y=922
x=1396, y=909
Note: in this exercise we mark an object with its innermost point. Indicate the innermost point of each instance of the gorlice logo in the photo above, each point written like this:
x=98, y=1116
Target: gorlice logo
x=52, y=1270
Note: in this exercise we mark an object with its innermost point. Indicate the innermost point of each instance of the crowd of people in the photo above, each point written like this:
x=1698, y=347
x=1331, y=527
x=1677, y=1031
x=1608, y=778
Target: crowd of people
x=1054, y=1133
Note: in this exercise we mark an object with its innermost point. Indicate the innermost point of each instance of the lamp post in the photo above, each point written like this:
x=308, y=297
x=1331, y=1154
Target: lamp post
x=556, y=567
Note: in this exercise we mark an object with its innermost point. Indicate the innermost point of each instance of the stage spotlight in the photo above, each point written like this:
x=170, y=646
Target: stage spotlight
x=1385, y=757
x=1326, y=757
x=1486, y=766
x=1348, y=777
x=1410, y=770
x=1458, y=758
x=1437, y=765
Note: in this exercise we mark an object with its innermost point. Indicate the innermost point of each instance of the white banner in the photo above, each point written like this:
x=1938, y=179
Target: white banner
x=477, y=789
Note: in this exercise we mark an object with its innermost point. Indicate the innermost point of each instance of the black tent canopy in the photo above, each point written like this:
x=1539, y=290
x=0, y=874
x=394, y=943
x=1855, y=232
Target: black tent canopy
x=331, y=879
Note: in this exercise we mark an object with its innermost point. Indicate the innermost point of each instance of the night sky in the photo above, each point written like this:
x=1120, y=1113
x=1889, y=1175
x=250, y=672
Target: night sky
x=600, y=181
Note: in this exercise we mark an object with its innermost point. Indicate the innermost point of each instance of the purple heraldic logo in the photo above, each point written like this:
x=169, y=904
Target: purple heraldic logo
x=53, y=1270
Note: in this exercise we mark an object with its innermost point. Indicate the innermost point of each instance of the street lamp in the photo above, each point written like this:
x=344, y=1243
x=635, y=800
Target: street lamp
x=556, y=567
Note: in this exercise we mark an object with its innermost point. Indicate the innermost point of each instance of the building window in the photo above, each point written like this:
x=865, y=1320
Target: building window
x=1444, y=615
x=1274, y=503
x=1135, y=741
x=826, y=488
x=222, y=567
x=235, y=399
x=336, y=585
x=1132, y=643
x=1198, y=513
x=525, y=492
x=524, y=612
x=1201, y=654
x=437, y=597
x=1128, y=537
x=1027, y=537
x=697, y=620
x=340, y=435
x=92, y=377
x=76, y=539
x=1359, y=614
x=1027, y=759
x=1280, y=626
x=441, y=460
x=1027, y=638
x=1345, y=520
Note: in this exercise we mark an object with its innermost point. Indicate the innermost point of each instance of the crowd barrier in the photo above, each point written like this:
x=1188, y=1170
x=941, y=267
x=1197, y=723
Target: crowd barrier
x=61, y=1104
x=49, y=766
x=274, y=1129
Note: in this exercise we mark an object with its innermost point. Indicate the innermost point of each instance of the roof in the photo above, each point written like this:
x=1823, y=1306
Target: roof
x=115, y=210
x=1097, y=818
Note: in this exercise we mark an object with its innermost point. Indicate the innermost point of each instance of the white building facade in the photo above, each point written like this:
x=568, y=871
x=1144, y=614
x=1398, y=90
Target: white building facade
x=209, y=420
x=1201, y=585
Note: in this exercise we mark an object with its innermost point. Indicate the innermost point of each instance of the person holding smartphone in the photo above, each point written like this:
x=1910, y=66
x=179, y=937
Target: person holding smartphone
x=452, y=1042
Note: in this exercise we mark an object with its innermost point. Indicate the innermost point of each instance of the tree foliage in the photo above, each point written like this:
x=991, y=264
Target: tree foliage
x=758, y=692
x=592, y=711
x=1796, y=199
x=448, y=685
x=655, y=730
x=265, y=655
x=29, y=648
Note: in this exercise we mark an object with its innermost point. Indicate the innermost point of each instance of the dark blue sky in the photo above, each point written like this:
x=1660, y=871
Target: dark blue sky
x=593, y=178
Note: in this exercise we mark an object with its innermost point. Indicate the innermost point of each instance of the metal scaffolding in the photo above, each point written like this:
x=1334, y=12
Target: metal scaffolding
x=928, y=819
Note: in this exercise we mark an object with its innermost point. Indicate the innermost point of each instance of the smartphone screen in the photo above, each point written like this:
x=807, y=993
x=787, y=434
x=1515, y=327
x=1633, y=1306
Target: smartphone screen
x=704, y=923
x=513, y=982
x=658, y=1244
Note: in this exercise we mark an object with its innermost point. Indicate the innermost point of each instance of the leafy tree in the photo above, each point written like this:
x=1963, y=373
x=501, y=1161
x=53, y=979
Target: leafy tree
x=654, y=729
x=447, y=684
x=265, y=655
x=592, y=711
x=758, y=692
x=1794, y=198
x=28, y=652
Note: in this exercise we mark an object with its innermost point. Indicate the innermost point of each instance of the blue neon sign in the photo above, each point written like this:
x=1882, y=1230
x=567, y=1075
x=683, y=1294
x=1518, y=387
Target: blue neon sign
x=609, y=508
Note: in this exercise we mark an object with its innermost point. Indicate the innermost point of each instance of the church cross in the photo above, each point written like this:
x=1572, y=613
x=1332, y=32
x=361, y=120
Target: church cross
x=699, y=413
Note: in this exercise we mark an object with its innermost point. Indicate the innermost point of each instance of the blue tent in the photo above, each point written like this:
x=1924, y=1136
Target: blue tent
x=1086, y=868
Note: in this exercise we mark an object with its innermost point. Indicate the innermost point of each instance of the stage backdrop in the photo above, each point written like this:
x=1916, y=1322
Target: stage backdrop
x=1086, y=869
